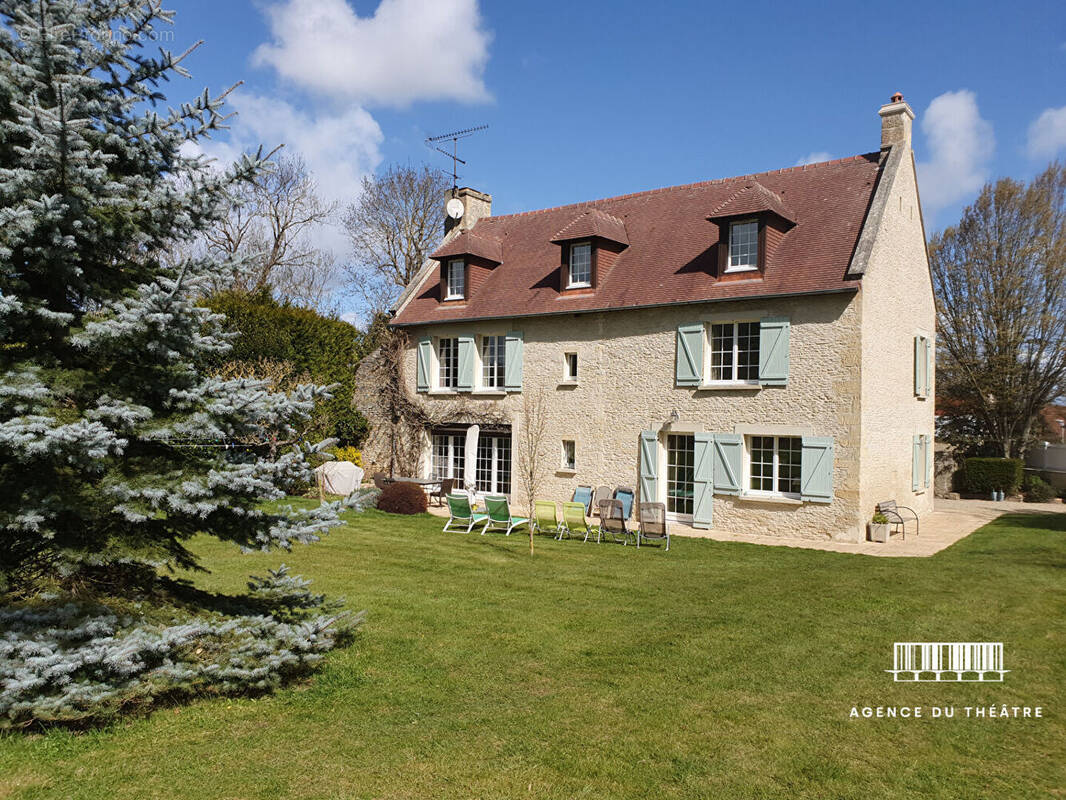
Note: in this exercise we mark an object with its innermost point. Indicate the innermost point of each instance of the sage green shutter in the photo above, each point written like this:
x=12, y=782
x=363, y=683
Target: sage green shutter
x=425, y=358
x=728, y=463
x=816, y=469
x=929, y=362
x=689, y=369
x=649, y=466
x=466, y=364
x=921, y=366
x=917, y=463
x=774, y=334
x=703, y=481
x=512, y=369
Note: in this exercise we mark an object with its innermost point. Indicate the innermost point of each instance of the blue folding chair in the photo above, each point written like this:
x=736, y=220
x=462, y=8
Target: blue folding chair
x=583, y=495
x=627, y=497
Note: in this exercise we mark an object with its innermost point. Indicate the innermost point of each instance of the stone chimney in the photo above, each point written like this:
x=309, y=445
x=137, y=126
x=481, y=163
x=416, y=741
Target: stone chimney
x=896, y=119
x=475, y=206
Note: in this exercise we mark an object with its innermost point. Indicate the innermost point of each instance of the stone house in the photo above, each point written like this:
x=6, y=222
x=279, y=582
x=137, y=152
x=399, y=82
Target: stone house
x=754, y=352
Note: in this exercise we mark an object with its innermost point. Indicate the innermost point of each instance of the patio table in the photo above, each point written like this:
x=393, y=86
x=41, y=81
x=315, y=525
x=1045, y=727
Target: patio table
x=419, y=481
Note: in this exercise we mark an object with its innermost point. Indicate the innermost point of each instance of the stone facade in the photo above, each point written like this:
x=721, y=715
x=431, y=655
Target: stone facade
x=626, y=385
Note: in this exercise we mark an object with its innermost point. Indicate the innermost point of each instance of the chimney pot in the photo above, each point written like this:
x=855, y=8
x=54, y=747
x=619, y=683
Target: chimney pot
x=896, y=119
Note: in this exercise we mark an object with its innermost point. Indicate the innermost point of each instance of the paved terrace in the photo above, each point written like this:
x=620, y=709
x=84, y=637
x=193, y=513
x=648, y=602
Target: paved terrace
x=951, y=521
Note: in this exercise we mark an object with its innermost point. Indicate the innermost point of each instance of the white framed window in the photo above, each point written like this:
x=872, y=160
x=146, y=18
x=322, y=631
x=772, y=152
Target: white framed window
x=743, y=246
x=456, y=280
x=570, y=367
x=580, y=273
x=774, y=465
x=449, y=455
x=448, y=361
x=680, y=474
x=734, y=352
x=493, y=361
x=569, y=454
x=493, y=470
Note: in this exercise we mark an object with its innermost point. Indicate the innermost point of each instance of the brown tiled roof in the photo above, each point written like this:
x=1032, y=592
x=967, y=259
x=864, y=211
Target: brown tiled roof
x=671, y=256
x=753, y=198
x=471, y=243
x=593, y=222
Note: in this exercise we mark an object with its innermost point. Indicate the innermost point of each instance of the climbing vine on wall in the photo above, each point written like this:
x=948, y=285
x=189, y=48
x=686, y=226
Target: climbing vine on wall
x=400, y=421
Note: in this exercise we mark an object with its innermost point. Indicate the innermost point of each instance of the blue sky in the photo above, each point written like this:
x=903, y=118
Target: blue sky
x=591, y=99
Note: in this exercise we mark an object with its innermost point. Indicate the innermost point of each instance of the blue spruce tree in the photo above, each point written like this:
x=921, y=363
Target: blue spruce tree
x=112, y=443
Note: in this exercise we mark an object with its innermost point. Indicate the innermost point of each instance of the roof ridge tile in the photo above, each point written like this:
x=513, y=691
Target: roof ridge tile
x=681, y=186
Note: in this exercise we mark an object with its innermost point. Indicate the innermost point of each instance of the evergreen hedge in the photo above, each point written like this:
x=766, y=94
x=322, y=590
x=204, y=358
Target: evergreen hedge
x=325, y=348
x=984, y=475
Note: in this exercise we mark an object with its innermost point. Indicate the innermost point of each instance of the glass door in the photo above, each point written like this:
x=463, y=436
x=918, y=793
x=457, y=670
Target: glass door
x=449, y=456
x=680, y=459
x=494, y=463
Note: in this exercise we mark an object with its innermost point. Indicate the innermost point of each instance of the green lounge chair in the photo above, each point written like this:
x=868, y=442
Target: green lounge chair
x=575, y=523
x=500, y=515
x=545, y=519
x=461, y=513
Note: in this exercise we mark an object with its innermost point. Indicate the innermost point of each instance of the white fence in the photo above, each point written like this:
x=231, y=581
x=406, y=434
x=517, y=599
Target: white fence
x=947, y=661
x=1047, y=457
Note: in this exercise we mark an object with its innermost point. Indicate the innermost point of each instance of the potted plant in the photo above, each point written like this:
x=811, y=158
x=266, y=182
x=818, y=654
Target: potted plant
x=879, y=528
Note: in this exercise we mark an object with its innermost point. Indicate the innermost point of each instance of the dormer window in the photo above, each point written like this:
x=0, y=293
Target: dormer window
x=455, y=280
x=743, y=246
x=580, y=274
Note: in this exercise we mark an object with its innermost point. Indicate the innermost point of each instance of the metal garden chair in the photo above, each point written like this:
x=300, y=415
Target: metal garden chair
x=499, y=515
x=651, y=518
x=575, y=523
x=462, y=513
x=545, y=518
x=613, y=521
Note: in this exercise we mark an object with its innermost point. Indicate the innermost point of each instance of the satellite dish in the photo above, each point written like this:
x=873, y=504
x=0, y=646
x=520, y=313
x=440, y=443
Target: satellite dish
x=454, y=208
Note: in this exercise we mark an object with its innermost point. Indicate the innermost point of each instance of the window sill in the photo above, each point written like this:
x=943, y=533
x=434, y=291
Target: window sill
x=443, y=392
x=726, y=385
x=489, y=393
x=566, y=384
x=568, y=473
x=734, y=270
x=778, y=499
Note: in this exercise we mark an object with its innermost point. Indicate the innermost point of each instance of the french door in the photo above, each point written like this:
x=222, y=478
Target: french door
x=449, y=455
x=680, y=471
x=493, y=474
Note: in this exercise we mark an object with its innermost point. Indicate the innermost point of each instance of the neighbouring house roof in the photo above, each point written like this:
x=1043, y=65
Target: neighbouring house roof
x=672, y=246
x=593, y=222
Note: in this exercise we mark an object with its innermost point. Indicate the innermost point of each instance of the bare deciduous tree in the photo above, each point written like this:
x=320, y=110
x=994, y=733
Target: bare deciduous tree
x=393, y=227
x=532, y=459
x=272, y=221
x=1000, y=282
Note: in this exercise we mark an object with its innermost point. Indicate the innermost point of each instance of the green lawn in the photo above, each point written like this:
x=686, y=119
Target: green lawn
x=716, y=670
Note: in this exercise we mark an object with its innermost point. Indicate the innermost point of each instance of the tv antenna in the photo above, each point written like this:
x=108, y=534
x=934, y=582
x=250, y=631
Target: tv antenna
x=455, y=136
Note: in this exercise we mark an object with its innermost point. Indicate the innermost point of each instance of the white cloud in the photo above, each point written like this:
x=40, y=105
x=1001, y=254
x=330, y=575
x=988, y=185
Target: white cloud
x=1047, y=134
x=814, y=158
x=338, y=148
x=960, y=145
x=408, y=50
